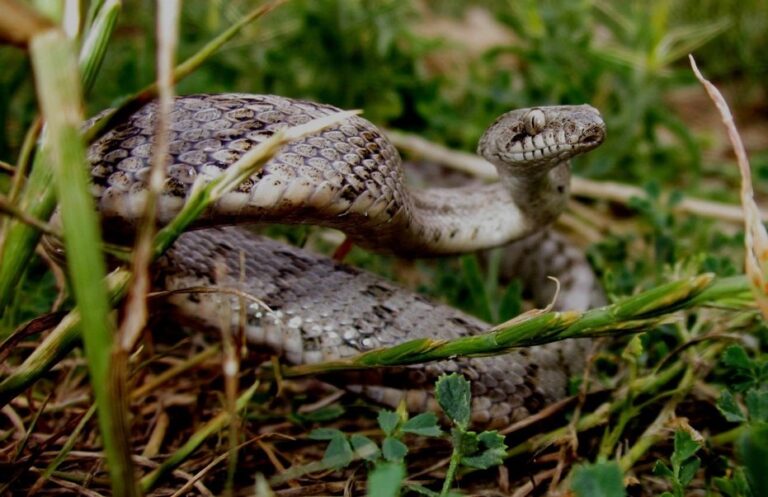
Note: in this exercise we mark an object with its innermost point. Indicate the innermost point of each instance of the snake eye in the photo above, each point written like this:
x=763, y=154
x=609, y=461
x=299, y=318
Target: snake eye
x=534, y=121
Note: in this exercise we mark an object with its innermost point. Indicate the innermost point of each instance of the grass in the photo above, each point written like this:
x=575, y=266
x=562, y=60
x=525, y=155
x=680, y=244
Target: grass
x=653, y=258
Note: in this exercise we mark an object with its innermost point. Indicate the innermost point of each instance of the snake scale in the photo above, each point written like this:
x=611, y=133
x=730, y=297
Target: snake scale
x=350, y=177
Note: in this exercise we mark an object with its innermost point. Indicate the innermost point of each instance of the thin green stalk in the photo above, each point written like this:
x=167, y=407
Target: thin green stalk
x=657, y=431
x=632, y=315
x=450, y=474
x=7, y=208
x=63, y=452
x=56, y=344
x=214, y=425
x=24, y=159
x=728, y=437
x=630, y=355
x=59, y=90
x=97, y=40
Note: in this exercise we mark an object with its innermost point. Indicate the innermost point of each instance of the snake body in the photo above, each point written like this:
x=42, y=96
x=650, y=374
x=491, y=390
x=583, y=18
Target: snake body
x=323, y=310
x=350, y=177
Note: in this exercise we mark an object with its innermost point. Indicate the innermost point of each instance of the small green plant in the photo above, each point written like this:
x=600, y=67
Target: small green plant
x=684, y=461
x=475, y=450
x=388, y=461
x=747, y=385
x=602, y=479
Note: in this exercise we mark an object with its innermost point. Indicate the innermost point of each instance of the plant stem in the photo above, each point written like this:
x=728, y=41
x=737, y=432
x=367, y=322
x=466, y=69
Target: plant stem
x=452, y=467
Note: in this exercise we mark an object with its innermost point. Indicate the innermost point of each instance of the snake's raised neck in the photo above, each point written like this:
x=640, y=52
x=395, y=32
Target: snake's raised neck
x=531, y=149
x=348, y=177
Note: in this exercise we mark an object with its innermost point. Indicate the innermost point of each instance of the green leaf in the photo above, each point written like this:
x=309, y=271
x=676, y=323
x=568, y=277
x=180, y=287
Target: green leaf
x=328, y=413
x=688, y=470
x=424, y=424
x=726, y=486
x=325, y=434
x=338, y=454
x=478, y=295
x=603, y=479
x=393, y=449
x=493, y=455
x=753, y=449
x=364, y=447
x=386, y=479
x=511, y=303
x=685, y=447
x=757, y=404
x=729, y=408
x=736, y=357
x=492, y=439
x=454, y=396
x=737, y=486
x=661, y=469
x=465, y=442
x=388, y=421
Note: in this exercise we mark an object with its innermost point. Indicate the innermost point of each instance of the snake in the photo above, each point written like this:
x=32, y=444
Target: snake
x=349, y=176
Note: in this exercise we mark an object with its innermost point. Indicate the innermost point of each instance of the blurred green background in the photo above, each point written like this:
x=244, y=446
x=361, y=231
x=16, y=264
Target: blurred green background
x=446, y=69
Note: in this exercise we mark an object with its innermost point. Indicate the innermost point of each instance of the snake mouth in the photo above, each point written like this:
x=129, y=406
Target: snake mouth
x=592, y=140
x=557, y=152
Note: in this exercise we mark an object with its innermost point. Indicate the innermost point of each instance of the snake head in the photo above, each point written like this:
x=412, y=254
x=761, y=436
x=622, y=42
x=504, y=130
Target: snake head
x=542, y=137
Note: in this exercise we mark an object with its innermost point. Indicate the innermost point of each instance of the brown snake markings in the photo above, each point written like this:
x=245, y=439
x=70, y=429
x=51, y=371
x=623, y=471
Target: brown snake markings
x=350, y=177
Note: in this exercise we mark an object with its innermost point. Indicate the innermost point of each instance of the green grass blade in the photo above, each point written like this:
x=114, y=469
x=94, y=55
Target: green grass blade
x=96, y=41
x=59, y=90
